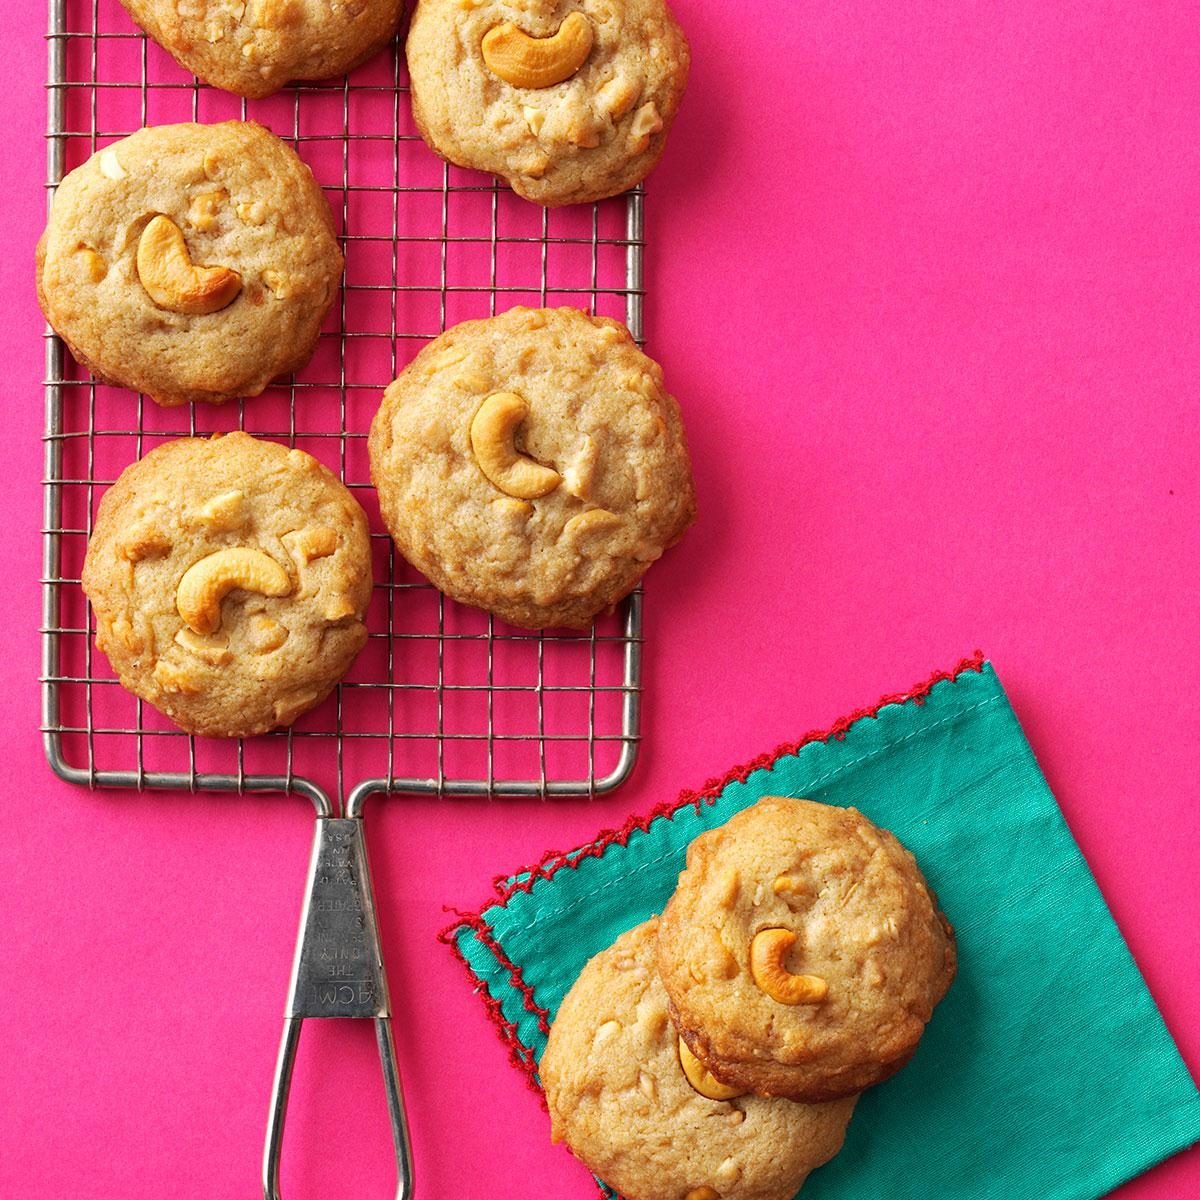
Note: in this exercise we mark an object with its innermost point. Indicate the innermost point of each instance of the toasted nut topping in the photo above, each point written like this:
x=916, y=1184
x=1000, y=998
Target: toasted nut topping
x=730, y=885
x=768, y=950
x=712, y=962
x=175, y=679
x=94, y=266
x=204, y=208
x=728, y=1173
x=272, y=14
x=123, y=632
x=653, y=1022
x=447, y=359
x=722, y=965
x=607, y=1030
x=252, y=212
x=583, y=133
x=339, y=608
x=617, y=96
x=224, y=512
x=595, y=520
x=144, y=541
x=701, y=1079
x=646, y=121
x=577, y=476
x=277, y=282
x=212, y=650
x=266, y=634
x=470, y=381
x=171, y=280
x=110, y=165
x=493, y=430
x=517, y=510
x=306, y=545
x=206, y=583
x=535, y=165
x=529, y=62
x=790, y=885
x=534, y=118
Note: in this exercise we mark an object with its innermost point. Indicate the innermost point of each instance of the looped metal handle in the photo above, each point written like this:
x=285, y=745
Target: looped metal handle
x=338, y=972
x=391, y=1088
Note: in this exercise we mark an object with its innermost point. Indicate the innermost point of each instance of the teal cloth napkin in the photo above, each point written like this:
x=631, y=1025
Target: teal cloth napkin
x=1047, y=1071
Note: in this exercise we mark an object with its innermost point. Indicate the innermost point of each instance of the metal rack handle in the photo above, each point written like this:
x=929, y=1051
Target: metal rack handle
x=338, y=972
x=391, y=1087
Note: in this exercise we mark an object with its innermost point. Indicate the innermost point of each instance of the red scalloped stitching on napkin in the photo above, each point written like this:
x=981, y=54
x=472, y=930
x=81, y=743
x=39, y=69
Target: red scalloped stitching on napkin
x=506, y=886
x=555, y=860
x=519, y=1054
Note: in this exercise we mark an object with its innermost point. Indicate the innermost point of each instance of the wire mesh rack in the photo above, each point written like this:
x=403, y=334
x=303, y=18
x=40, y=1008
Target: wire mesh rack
x=443, y=700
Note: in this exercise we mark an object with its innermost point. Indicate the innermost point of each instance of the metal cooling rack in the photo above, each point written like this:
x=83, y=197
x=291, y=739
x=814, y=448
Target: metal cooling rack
x=443, y=700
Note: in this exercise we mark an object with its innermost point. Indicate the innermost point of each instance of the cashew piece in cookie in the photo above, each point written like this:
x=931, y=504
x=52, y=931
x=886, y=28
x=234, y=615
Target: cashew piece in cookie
x=702, y=1079
x=207, y=582
x=593, y=520
x=492, y=432
x=170, y=278
x=530, y=62
x=768, y=950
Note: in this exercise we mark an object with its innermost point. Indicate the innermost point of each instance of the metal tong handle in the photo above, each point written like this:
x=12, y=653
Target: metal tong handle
x=338, y=972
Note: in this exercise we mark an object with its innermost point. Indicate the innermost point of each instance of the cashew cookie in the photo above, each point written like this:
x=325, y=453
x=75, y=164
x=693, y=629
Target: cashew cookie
x=533, y=465
x=190, y=262
x=254, y=47
x=624, y=1102
x=569, y=101
x=229, y=577
x=803, y=951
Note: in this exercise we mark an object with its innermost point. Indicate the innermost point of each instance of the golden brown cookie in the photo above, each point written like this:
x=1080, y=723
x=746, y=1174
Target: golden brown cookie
x=567, y=100
x=533, y=465
x=619, y=1097
x=229, y=578
x=190, y=262
x=803, y=951
x=254, y=47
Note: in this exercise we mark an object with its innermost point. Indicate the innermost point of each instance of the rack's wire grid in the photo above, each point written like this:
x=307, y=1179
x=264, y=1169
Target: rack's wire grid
x=443, y=700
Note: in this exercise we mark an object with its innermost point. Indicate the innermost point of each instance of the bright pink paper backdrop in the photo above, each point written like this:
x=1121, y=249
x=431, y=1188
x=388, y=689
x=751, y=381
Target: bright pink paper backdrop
x=924, y=278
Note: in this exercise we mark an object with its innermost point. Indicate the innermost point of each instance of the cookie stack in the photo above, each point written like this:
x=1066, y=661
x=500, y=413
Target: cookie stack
x=717, y=1052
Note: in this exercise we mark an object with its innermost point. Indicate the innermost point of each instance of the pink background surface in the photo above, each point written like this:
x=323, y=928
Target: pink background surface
x=924, y=278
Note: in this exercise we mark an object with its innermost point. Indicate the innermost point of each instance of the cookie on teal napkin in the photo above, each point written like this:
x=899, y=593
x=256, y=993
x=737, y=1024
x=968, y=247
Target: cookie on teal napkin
x=1046, y=1072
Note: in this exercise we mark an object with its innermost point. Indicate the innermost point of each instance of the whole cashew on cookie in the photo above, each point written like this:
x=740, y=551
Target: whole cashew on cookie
x=768, y=952
x=171, y=279
x=702, y=1080
x=493, y=433
x=207, y=582
x=529, y=62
